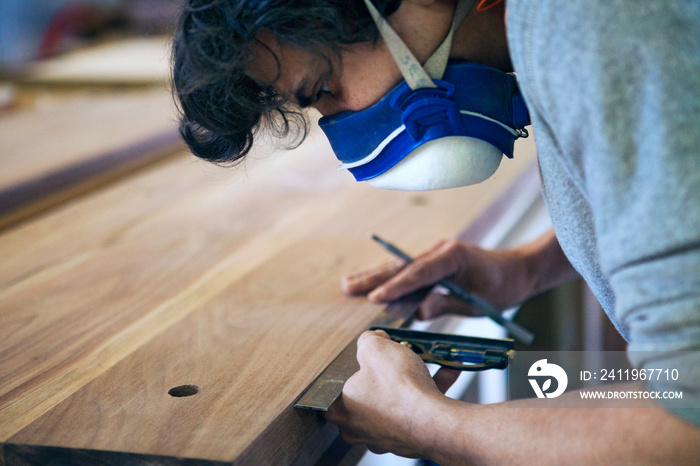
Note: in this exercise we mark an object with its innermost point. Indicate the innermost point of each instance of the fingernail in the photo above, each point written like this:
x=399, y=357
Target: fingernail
x=345, y=284
x=377, y=295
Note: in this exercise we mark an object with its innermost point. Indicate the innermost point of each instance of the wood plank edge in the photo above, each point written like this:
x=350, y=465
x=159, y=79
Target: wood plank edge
x=298, y=427
x=21, y=202
x=21, y=454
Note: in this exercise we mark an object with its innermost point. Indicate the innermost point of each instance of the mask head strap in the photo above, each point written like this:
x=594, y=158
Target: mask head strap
x=417, y=76
x=436, y=64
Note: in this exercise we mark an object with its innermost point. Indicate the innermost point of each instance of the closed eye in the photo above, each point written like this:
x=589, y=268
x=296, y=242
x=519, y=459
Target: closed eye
x=325, y=89
x=305, y=101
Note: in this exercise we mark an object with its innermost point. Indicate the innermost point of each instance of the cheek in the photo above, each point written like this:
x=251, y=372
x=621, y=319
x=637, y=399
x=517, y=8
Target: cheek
x=329, y=106
x=352, y=94
x=366, y=78
x=362, y=94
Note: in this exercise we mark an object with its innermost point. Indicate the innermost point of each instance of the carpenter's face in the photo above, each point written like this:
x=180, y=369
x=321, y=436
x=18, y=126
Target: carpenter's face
x=366, y=72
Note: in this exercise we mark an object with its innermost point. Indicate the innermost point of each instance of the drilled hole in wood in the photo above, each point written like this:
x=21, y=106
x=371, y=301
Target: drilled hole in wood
x=184, y=390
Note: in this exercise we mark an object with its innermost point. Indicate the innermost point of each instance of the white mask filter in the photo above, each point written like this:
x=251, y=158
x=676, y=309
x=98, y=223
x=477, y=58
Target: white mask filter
x=443, y=163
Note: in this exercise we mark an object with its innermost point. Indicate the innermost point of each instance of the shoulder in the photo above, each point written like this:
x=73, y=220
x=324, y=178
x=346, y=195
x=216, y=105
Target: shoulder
x=561, y=42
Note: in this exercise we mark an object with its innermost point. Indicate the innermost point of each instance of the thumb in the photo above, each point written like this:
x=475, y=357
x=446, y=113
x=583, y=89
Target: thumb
x=445, y=377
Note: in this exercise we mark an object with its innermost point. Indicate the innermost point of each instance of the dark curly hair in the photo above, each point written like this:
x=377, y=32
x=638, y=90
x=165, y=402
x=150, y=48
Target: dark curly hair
x=221, y=106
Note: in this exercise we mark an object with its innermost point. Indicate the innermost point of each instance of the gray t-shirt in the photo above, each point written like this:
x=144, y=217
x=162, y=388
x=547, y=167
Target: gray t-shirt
x=613, y=88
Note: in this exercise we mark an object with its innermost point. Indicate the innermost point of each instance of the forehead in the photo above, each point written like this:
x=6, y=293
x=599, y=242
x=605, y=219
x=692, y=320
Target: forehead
x=282, y=64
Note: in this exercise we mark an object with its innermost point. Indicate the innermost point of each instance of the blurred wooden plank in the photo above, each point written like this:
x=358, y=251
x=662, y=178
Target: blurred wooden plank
x=184, y=275
x=130, y=61
x=66, y=146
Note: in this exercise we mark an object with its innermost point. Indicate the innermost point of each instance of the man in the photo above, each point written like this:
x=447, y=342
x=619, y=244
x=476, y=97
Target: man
x=612, y=91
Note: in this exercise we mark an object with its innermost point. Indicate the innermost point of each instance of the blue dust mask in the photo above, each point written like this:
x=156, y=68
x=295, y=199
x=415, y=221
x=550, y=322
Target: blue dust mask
x=444, y=126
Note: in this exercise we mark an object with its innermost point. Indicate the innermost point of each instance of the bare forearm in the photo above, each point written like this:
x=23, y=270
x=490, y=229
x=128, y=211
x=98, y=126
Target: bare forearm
x=521, y=433
x=545, y=265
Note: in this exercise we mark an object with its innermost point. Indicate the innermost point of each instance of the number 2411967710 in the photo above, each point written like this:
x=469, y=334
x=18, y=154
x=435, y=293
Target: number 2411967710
x=630, y=375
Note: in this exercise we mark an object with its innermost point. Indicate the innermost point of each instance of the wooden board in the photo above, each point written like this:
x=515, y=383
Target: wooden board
x=132, y=61
x=187, y=274
x=66, y=145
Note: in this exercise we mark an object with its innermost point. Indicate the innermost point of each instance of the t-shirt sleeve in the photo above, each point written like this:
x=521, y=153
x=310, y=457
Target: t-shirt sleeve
x=629, y=105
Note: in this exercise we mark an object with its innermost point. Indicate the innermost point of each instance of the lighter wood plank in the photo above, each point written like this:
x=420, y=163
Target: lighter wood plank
x=187, y=275
x=138, y=60
x=62, y=131
x=68, y=145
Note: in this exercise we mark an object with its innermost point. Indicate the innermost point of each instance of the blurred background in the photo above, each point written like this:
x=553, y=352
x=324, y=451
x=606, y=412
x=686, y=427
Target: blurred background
x=40, y=29
x=84, y=97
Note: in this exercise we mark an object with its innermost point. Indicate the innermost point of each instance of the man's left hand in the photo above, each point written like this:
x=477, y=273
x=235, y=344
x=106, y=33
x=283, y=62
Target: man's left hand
x=389, y=404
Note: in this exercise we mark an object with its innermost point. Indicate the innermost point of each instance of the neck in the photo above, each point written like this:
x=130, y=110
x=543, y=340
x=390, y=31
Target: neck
x=482, y=38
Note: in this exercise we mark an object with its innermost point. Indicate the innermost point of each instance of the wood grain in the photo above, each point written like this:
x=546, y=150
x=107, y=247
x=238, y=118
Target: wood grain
x=190, y=275
x=65, y=146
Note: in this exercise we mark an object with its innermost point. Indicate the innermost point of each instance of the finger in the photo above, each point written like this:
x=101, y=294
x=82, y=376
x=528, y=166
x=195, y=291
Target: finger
x=371, y=278
x=436, y=304
x=368, y=279
x=377, y=450
x=376, y=333
x=445, y=377
x=335, y=410
x=441, y=261
x=368, y=344
x=369, y=334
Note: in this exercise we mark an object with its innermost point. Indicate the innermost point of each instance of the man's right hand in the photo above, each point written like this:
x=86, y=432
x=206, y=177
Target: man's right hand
x=502, y=277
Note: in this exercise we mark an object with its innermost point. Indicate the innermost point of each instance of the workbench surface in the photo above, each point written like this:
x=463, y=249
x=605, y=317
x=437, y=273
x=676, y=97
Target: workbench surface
x=63, y=144
x=190, y=274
